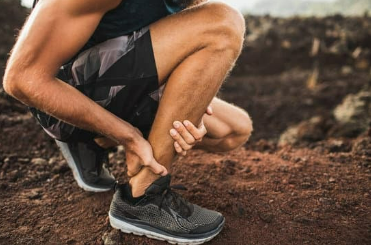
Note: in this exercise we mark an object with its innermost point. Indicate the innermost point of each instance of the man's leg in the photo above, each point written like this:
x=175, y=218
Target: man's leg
x=194, y=50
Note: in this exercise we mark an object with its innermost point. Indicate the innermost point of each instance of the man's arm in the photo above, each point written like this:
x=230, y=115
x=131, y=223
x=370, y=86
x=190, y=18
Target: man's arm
x=55, y=31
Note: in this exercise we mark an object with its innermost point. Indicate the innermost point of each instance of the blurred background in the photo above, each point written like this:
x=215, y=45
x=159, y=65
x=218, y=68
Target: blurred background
x=304, y=76
x=301, y=59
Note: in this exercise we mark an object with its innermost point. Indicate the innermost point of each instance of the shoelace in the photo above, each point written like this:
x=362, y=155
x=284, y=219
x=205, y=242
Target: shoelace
x=168, y=192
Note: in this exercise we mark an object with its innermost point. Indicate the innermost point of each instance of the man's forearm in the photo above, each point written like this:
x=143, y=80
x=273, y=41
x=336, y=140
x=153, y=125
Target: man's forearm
x=70, y=105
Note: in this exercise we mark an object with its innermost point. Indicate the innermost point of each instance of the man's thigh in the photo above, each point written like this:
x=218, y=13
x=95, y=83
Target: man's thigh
x=178, y=36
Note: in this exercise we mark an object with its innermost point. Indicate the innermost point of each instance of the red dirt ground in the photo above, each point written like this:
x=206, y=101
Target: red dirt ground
x=310, y=193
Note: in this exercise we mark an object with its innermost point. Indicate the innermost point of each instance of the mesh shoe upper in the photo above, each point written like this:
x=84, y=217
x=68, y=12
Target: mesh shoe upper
x=164, y=209
x=89, y=160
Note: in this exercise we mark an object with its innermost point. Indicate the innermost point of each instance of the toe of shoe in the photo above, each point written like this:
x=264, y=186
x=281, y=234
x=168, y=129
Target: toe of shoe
x=215, y=226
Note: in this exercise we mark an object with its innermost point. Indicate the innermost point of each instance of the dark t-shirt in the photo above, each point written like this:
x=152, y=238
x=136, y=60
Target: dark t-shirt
x=130, y=16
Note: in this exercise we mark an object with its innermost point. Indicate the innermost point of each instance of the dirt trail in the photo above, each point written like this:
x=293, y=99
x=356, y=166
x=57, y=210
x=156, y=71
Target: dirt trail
x=316, y=191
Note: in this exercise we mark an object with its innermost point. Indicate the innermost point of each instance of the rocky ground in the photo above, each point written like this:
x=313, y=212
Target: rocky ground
x=304, y=177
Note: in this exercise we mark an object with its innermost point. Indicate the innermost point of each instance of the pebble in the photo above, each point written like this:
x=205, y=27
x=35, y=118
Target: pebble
x=53, y=160
x=60, y=168
x=303, y=219
x=44, y=229
x=111, y=237
x=5, y=165
x=306, y=185
x=39, y=161
x=332, y=180
x=23, y=160
x=34, y=195
x=266, y=217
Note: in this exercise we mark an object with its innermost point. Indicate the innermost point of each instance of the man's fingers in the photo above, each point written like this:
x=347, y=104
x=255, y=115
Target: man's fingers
x=187, y=136
x=179, y=149
x=178, y=138
x=198, y=133
x=157, y=168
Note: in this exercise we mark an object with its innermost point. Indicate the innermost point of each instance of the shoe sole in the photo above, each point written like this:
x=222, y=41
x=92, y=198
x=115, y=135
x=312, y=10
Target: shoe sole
x=150, y=232
x=76, y=174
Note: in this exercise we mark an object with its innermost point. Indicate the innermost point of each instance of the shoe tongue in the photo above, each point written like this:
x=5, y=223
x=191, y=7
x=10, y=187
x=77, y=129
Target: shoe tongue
x=159, y=186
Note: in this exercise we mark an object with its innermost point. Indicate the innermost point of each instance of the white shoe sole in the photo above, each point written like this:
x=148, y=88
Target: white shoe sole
x=72, y=164
x=131, y=229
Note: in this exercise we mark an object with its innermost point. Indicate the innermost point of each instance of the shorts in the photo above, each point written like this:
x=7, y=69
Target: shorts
x=120, y=75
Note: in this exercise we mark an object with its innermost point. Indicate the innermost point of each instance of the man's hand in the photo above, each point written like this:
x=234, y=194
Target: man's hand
x=186, y=135
x=139, y=154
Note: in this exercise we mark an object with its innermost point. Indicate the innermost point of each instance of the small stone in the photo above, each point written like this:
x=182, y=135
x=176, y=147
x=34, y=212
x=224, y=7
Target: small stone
x=23, y=160
x=332, y=180
x=60, y=168
x=44, y=229
x=303, y=219
x=326, y=201
x=53, y=160
x=266, y=217
x=5, y=165
x=34, y=195
x=271, y=201
x=39, y=161
x=111, y=237
x=306, y=185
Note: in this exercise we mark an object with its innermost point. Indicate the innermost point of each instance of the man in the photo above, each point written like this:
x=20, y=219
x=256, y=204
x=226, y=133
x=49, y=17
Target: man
x=104, y=69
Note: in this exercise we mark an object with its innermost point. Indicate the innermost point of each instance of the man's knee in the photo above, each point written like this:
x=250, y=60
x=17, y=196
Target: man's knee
x=241, y=132
x=225, y=27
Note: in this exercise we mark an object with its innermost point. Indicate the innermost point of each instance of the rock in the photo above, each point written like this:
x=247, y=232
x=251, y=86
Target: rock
x=353, y=115
x=34, y=194
x=310, y=130
x=44, y=229
x=346, y=70
x=60, y=168
x=53, y=160
x=306, y=185
x=362, y=147
x=23, y=160
x=112, y=237
x=39, y=161
x=266, y=217
x=338, y=146
x=332, y=180
x=302, y=219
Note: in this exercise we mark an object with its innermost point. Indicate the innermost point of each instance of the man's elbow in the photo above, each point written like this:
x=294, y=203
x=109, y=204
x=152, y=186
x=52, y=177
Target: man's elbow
x=14, y=83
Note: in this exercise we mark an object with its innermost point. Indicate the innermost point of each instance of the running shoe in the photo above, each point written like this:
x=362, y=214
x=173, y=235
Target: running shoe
x=163, y=214
x=88, y=164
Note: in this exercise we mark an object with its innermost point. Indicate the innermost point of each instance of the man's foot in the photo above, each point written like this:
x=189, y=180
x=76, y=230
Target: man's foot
x=87, y=162
x=163, y=214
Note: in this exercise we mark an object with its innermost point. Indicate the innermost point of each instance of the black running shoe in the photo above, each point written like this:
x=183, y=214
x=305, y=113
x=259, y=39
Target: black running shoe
x=163, y=214
x=87, y=162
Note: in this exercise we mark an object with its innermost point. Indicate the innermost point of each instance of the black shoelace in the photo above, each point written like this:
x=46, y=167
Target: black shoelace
x=180, y=204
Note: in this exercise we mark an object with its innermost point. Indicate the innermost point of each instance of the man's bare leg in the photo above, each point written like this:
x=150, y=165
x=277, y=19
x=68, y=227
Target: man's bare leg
x=194, y=51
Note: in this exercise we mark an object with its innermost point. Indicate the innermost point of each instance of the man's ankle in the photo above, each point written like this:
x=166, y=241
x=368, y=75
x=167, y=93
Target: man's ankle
x=140, y=182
